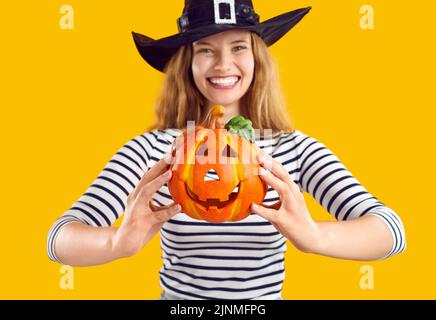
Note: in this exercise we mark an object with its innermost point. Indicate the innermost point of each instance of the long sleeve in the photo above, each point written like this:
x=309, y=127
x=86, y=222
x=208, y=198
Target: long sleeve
x=324, y=176
x=105, y=199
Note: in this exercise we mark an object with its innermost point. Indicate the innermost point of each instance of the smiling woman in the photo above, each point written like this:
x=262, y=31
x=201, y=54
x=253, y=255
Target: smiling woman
x=256, y=95
x=220, y=56
x=223, y=69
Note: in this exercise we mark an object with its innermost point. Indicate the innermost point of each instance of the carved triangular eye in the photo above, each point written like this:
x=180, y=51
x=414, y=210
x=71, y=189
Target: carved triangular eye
x=202, y=150
x=229, y=152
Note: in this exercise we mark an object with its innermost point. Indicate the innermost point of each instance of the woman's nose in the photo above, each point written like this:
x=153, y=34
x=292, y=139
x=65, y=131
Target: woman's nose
x=223, y=62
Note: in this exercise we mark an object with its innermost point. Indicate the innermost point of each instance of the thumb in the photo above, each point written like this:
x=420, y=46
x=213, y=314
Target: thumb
x=164, y=215
x=263, y=212
x=155, y=208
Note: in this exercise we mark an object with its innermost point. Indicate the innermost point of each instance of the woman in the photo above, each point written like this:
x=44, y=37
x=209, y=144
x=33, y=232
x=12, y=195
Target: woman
x=220, y=56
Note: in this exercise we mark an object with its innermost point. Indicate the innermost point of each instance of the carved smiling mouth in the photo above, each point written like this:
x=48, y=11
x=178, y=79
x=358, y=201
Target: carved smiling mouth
x=213, y=202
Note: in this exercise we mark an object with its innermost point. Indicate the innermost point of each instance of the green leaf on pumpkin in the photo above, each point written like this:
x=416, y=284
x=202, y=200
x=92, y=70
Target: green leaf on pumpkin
x=242, y=127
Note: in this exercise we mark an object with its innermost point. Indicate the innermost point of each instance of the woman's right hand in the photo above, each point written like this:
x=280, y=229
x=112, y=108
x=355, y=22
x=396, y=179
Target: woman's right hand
x=142, y=220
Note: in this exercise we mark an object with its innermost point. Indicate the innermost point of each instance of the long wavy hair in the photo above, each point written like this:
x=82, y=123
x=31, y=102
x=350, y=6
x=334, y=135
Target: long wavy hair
x=180, y=100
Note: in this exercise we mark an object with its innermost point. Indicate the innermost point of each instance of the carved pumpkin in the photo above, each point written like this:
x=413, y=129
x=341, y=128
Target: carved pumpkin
x=231, y=153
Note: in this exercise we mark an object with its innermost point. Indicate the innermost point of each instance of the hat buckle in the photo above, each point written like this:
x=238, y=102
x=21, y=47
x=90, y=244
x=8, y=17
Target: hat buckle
x=229, y=15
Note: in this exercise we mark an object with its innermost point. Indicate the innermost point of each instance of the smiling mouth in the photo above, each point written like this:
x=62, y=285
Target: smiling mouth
x=224, y=85
x=213, y=202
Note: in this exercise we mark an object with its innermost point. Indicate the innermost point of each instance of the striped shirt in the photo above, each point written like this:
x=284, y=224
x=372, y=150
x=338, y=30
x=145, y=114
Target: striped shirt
x=231, y=260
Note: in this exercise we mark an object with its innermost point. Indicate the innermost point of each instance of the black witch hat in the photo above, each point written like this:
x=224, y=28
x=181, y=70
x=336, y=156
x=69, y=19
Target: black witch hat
x=202, y=18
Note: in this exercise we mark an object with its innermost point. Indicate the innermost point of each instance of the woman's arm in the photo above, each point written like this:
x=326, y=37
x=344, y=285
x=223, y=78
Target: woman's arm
x=78, y=244
x=81, y=245
x=84, y=234
x=366, y=229
x=356, y=235
x=365, y=238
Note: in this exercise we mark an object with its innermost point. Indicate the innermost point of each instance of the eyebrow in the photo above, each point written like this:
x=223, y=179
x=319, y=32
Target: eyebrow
x=207, y=43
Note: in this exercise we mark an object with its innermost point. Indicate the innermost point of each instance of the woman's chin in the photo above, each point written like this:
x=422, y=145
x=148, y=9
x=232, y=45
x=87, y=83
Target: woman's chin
x=224, y=102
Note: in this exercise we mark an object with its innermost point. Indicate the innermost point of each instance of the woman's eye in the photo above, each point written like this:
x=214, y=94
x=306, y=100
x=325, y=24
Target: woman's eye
x=239, y=48
x=204, y=50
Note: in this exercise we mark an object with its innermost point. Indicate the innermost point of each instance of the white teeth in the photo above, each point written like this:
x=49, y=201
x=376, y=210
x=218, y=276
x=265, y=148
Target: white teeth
x=229, y=80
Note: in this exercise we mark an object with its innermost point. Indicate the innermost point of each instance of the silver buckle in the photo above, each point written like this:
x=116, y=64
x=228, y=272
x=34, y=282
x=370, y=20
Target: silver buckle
x=218, y=19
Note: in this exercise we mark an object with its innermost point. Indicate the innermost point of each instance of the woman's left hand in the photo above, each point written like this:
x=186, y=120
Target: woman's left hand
x=289, y=215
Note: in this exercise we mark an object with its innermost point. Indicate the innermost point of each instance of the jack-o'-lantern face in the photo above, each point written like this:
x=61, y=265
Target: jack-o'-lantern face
x=215, y=178
x=212, y=184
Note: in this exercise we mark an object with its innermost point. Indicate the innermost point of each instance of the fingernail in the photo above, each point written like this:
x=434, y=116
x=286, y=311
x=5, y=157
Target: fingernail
x=262, y=171
x=254, y=206
x=167, y=174
x=168, y=157
x=178, y=207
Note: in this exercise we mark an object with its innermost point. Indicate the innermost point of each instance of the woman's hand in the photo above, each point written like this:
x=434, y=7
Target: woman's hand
x=289, y=215
x=142, y=220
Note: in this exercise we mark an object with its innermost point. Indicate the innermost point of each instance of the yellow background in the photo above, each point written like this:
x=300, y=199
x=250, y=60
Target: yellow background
x=71, y=98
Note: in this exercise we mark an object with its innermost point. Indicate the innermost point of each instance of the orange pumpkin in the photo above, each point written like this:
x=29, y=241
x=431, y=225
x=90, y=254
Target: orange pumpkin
x=233, y=158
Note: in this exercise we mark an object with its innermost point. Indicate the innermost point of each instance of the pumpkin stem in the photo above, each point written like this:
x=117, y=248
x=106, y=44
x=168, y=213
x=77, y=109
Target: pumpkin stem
x=213, y=118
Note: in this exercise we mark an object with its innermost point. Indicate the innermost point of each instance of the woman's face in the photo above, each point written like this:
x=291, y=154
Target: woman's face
x=223, y=66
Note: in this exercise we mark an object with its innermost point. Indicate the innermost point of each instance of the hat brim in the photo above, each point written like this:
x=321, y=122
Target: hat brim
x=157, y=53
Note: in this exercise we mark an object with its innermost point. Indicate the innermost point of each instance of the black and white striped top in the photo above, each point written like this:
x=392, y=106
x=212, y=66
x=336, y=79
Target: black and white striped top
x=233, y=260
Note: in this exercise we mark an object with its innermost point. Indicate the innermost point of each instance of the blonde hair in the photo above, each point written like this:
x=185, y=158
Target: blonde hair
x=180, y=100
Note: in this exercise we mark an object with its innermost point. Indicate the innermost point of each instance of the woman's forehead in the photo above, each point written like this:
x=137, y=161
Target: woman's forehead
x=226, y=36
